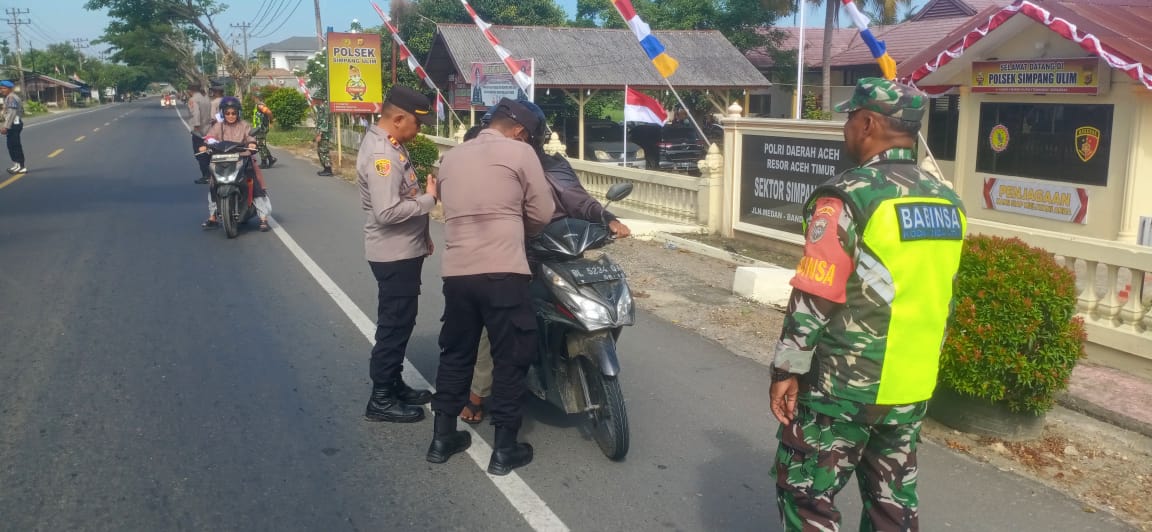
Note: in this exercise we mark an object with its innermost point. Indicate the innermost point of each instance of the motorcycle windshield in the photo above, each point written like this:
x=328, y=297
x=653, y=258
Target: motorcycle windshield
x=567, y=238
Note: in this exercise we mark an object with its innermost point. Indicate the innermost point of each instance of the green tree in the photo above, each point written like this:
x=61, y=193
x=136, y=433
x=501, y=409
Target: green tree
x=171, y=26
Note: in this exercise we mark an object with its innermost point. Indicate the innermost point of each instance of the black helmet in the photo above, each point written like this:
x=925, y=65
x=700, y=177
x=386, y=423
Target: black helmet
x=230, y=102
x=539, y=136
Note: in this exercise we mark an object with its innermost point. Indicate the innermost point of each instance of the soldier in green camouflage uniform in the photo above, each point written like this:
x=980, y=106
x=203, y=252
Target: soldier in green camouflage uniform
x=323, y=132
x=261, y=121
x=859, y=351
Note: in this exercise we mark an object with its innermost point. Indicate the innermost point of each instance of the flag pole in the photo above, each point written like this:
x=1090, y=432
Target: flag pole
x=685, y=108
x=625, y=152
x=800, y=62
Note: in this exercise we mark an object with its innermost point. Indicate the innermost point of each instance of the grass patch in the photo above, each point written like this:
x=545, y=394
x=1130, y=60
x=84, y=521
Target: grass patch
x=297, y=136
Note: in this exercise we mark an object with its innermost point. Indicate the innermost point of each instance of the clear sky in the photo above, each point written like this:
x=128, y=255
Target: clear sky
x=54, y=21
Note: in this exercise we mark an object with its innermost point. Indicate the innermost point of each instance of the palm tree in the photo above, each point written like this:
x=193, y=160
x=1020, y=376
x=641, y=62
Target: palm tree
x=885, y=8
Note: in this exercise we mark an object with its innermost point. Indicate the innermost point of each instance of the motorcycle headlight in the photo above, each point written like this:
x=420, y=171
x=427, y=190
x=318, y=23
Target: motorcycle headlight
x=625, y=311
x=640, y=153
x=601, y=154
x=226, y=172
x=594, y=313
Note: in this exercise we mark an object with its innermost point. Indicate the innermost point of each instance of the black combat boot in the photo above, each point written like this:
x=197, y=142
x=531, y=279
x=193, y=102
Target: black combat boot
x=446, y=440
x=327, y=171
x=271, y=161
x=386, y=405
x=409, y=395
x=508, y=454
x=264, y=164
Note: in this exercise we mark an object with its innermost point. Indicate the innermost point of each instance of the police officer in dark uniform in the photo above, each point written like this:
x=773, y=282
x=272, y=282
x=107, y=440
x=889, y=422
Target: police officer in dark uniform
x=495, y=195
x=396, y=240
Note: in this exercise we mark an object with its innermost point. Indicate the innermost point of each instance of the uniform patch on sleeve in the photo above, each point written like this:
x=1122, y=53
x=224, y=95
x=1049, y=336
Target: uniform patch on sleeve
x=825, y=266
x=383, y=166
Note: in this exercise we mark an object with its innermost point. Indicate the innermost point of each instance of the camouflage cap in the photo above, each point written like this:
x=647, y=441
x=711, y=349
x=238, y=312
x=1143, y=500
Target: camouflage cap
x=888, y=98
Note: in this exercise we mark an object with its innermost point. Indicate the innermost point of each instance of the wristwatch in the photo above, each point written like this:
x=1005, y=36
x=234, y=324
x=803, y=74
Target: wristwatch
x=779, y=375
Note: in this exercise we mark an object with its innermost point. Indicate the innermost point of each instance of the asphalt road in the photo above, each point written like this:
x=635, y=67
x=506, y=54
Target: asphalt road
x=154, y=376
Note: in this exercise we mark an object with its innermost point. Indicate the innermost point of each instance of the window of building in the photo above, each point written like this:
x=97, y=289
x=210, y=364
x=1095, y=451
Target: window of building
x=943, y=119
x=1058, y=142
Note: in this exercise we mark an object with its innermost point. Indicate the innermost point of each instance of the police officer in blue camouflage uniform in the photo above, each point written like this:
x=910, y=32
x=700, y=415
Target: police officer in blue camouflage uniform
x=860, y=348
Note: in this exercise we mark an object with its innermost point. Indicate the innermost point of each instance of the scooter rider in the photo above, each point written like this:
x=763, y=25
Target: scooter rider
x=572, y=201
x=233, y=129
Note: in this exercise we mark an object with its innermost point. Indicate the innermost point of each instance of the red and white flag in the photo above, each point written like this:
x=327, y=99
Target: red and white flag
x=517, y=67
x=639, y=107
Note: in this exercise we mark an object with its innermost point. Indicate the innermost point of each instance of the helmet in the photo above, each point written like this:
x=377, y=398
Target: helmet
x=230, y=102
x=540, y=135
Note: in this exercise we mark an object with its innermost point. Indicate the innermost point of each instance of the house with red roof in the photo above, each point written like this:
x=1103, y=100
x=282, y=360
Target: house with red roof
x=851, y=59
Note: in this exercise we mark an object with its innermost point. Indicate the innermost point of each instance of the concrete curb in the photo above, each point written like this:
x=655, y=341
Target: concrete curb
x=701, y=248
x=1093, y=410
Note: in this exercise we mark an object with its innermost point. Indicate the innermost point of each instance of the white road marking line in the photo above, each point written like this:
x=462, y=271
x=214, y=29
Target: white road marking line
x=80, y=138
x=55, y=153
x=95, y=130
x=534, y=510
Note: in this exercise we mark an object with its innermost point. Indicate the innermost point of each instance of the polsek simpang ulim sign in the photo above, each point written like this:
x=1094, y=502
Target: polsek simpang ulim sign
x=780, y=173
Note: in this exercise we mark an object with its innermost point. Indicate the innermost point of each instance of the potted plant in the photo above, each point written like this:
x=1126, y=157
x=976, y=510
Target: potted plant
x=1012, y=343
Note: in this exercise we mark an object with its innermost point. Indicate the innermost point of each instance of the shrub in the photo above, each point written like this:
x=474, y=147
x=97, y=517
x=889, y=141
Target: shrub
x=814, y=108
x=288, y=107
x=264, y=91
x=35, y=108
x=424, y=154
x=1015, y=336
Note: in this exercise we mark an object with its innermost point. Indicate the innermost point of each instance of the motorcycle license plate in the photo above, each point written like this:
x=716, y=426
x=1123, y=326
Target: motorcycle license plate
x=225, y=157
x=587, y=272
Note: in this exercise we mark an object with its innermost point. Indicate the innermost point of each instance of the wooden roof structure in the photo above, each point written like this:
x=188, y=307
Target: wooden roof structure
x=595, y=58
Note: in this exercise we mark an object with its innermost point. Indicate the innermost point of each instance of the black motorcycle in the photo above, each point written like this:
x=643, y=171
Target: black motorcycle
x=582, y=305
x=233, y=184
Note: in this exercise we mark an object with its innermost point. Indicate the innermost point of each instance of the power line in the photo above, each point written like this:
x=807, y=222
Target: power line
x=260, y=10
x=268, y=17
x=16, y=22
x=286, y=19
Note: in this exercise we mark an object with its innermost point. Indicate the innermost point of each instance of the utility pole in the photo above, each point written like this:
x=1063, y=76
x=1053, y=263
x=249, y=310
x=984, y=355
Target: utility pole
x=244, y=31
x=319, y=31
x=16, y=22
x=80, y=44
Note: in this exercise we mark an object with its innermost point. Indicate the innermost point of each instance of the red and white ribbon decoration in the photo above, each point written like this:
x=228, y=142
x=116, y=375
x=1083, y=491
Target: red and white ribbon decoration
x=407, y=57
x=515, y=66
x=1061, y=26
x=304, y=89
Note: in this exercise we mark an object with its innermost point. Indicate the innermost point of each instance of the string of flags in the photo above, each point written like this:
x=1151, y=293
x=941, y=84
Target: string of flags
x=517, y=67
x=413, y=64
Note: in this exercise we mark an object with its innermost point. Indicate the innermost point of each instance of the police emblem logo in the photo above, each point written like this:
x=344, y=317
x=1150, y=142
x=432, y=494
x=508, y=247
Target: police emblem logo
x=1087, y=142
x=402, y=158
x=819, y=227
x=383, y=166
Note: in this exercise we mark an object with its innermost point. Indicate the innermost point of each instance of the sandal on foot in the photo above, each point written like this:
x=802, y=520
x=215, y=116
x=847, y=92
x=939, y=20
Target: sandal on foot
x=210, y=223
x=473, y=412
x=264, y=227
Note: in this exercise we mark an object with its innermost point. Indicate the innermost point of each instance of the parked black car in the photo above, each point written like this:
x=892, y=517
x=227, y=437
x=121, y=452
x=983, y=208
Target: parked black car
x=604, y=143
x=681, y=147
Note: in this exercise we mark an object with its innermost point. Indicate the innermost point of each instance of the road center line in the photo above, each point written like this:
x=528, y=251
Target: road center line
x=534, y=510
x=16, y=177
x=55, y=153
x=80, y=138
x=95, y=130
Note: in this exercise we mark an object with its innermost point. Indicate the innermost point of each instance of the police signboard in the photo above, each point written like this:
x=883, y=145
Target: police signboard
x=1039, y=76
x=354, y=78
x=779, y=173
x=1037, y=198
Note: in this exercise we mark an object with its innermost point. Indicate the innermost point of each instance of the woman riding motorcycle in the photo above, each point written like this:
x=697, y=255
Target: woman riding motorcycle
x=233, y=129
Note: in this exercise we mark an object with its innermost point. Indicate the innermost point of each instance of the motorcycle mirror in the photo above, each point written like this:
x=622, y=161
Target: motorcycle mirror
x=618, y=191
